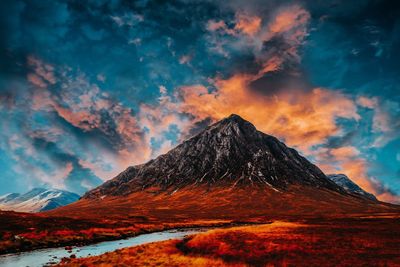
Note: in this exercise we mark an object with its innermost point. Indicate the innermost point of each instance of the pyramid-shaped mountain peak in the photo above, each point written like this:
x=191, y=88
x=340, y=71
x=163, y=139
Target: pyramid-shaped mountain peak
x=232, y=130
x=230, y=152
x=236, y=120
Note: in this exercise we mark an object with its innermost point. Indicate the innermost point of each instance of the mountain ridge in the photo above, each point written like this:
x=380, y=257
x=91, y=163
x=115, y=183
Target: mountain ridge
x=37, y=200
x=229, y=171
x=231, y=150
x=347, y=184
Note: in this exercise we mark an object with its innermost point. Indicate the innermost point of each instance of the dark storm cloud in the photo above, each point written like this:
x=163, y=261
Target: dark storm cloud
x=277, y=82
x=289, y=77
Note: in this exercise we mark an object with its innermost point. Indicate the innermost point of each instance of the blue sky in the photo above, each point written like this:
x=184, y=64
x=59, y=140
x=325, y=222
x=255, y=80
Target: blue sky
x=87, y=89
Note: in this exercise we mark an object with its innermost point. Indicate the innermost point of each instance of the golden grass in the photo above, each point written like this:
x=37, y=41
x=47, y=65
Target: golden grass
x=348, y=242
x=144, y=211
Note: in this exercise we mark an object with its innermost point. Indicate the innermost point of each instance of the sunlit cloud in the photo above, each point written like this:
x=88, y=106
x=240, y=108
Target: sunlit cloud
x=249, y=25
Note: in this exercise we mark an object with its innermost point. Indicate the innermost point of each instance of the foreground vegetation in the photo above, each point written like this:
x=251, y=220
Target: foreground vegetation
x=340, y=242
x=24, y=232
x=92, y=220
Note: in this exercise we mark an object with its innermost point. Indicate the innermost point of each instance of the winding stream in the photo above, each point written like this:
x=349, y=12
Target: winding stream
x=42, y=257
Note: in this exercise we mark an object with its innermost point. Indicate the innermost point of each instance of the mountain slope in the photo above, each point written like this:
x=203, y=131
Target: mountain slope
x=38, y=199
x=8, y=197
x=231, y=151
x=350, y=187
x=228, y=171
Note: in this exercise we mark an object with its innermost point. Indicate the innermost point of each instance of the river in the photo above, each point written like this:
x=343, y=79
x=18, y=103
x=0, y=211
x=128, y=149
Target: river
x=42, y=257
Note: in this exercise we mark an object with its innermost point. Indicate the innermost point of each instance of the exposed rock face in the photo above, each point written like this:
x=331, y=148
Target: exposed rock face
x=350, y=187
x=230, y=151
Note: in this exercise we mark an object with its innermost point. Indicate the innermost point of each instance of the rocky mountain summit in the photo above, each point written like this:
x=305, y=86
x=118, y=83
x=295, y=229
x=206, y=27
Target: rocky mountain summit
x=232, y=152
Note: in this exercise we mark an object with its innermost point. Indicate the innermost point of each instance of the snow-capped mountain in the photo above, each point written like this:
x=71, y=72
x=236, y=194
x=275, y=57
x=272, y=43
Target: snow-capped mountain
x=8, y=197
x=348, y=185
x=37, y=199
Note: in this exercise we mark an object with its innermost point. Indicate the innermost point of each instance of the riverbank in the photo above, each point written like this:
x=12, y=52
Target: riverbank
x=32, y=231
x=49, y=256
x=339, y=242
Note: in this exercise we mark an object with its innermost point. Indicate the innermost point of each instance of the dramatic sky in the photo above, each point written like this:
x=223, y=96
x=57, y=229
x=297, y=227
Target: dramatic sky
x=88, y=88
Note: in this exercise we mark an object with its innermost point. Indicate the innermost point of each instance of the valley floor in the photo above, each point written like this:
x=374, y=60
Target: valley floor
x=336, y=242
x=92, y=220
x=25, y=231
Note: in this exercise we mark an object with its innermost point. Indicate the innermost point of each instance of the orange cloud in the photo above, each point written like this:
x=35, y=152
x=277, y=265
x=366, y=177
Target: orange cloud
x=303, y=120
x=356, y=169
x=36, y=80
x=292, y=24
x=289, y=19
x=249, y=25
x=367, y=102
x=347, y=160
x=82, y=119
x=43, y=74
x=213, y=25
x=343, y=153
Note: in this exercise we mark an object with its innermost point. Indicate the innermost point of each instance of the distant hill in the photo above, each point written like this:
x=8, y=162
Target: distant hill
x=350, y=187
x=37, y=199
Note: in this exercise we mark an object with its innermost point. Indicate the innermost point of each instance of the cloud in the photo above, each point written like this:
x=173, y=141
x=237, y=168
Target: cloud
x=185, y=59
x=343, y=153
x=349, y=161
x=42, y=75
x=157, y=120
x=290, y=27
x=357, y=170
x=213, y=25
x=84, y=106
x=381, y=121
x=249, y=25
x=127, y=19
x=278, y=38
x=367, y=102
x=304, y=120
x=278, y=100
x=276, y=63
x=242, y=24
x=111, y=127
x=291, y=19
x=130, y=138
x=44, y=170
x=385, y=121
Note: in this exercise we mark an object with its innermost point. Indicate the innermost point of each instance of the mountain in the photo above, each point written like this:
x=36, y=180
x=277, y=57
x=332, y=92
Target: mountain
x=350, y=187
x=230, y=170
x=231, y=151
x=37, y=199
x=8, y=197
